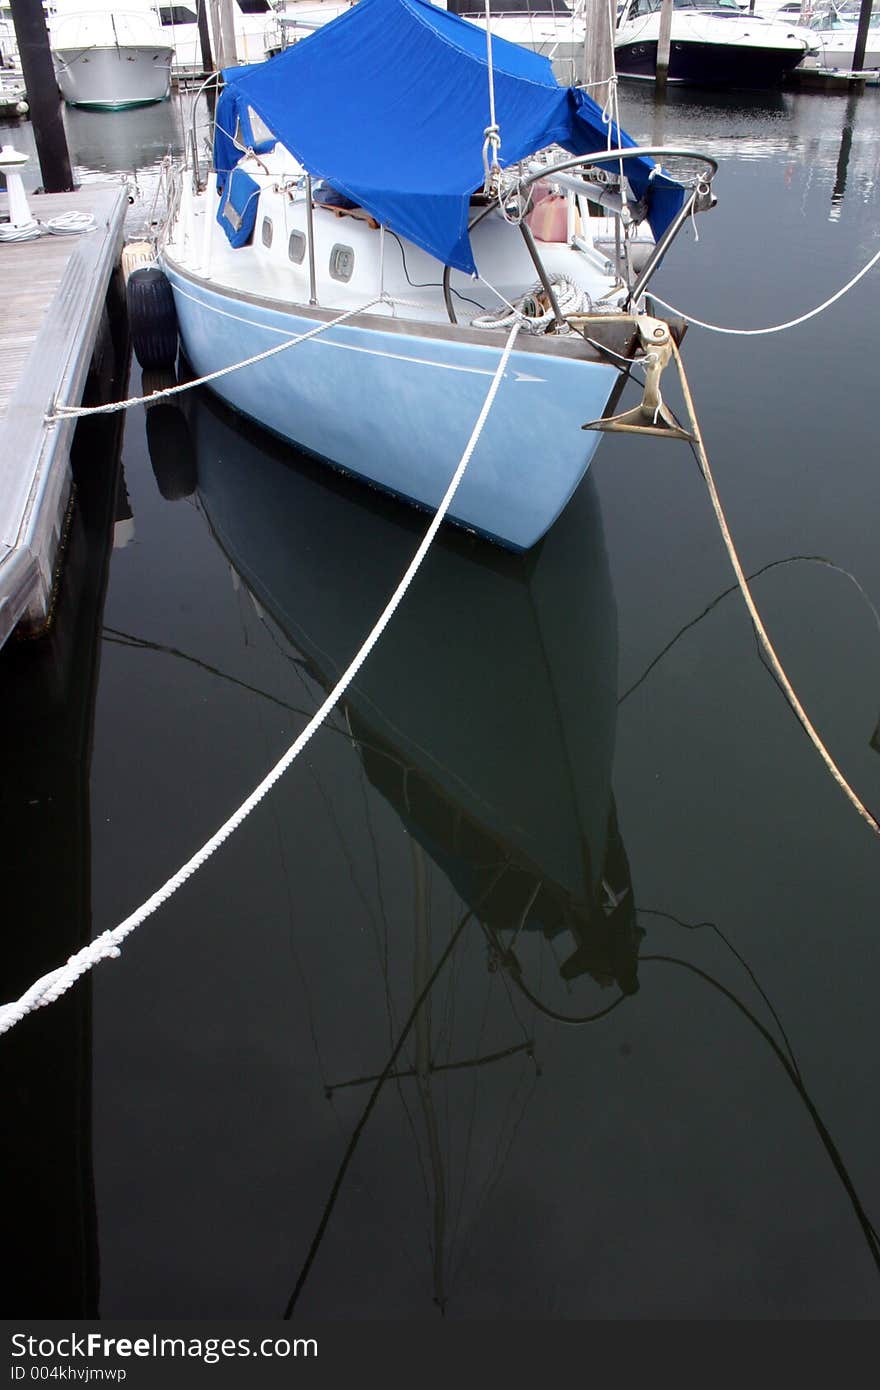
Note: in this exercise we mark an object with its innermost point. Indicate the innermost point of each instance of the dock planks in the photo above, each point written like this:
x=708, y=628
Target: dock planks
x=52, y=294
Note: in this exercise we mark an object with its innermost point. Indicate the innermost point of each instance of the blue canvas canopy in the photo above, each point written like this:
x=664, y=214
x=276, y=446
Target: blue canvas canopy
x=389, y=104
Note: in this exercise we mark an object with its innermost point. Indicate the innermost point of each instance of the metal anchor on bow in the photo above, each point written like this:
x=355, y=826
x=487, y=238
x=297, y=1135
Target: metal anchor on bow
x=651, y=416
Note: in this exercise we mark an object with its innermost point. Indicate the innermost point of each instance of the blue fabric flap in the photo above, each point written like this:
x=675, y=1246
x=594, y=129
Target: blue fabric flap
x=237, y=211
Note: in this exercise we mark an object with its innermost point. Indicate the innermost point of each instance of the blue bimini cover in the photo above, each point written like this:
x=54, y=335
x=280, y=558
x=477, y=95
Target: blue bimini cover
x=390, y=102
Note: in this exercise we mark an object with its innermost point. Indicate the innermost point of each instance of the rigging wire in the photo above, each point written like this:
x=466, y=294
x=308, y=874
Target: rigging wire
x=713, y=926
x=868, y=1229
x=732, y=589
x=376, y=1091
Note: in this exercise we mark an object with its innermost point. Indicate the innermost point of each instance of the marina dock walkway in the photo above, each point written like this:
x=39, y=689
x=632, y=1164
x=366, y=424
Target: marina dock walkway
x=52, y=295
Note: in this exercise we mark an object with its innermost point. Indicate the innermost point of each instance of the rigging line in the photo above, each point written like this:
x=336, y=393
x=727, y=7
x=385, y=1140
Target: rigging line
x=778, y=327
x=123, y=639
x=357, y=888
x=493, y=1182
x=513, y=971
x=383, y=947
x=868, y=1229
x=790, y=695
x=431, y=284
x=285, y=874
x=696, y=926
x=436, y=1067
x=576, y=1021
x=375, y=1093
x=469, y=1140
x=725, y=593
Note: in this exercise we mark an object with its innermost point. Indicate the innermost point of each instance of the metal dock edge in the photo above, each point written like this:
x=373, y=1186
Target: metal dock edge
x=34, y=455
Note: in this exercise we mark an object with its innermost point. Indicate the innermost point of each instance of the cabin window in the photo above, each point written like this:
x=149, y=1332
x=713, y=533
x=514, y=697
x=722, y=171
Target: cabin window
x=296, y=247
x=254, y=6
x=266, y=231
x=177, y=14
x=341, y=262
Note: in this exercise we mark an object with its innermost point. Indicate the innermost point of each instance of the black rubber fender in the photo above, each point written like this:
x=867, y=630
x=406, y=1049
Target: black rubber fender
x=169, y=441
x=152, y=318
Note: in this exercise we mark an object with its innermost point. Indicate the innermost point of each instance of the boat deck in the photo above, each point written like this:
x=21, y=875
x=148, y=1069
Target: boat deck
x=52, y=295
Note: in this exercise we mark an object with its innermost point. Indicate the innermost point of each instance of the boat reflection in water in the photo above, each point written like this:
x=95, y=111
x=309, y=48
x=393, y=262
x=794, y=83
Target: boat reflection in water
x=486, y=715
x=485, y=718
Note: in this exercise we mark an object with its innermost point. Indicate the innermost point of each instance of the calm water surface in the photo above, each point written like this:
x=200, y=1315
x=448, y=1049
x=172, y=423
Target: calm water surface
x=639, y=916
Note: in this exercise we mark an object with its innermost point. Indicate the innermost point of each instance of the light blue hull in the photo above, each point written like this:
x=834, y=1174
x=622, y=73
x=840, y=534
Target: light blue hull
x=397, y=408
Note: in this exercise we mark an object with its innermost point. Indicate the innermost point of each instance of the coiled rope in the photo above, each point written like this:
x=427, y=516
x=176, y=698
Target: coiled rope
x=778, y=327
x=65, y=224
x=757, y=622
x=107, y=946
x=529, y=310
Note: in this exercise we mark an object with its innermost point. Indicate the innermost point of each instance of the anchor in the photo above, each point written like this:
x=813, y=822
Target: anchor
x=651, y=416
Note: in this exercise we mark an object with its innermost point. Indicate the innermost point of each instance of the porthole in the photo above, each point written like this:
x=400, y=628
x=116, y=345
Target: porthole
x=341, y=262
x=266, y=231
x=296, y=247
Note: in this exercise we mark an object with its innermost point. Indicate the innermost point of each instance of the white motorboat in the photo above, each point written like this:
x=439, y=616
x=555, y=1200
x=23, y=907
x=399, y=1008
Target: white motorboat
x=109, y=58
x=834, y=29
x=713, y=43
x=253, y=30
x=430, y=254
x=554, y=28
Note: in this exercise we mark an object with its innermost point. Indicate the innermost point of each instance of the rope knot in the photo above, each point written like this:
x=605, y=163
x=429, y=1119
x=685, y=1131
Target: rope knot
x=491, y=166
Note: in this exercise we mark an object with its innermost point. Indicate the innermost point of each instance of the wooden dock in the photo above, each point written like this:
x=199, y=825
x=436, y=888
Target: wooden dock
x=827, y=79
x=52, y=296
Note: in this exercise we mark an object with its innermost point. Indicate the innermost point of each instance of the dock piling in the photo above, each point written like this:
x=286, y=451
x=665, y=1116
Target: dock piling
x=43, y=97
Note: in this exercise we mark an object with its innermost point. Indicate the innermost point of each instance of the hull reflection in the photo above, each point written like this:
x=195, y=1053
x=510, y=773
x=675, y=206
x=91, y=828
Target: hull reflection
x=486, y=715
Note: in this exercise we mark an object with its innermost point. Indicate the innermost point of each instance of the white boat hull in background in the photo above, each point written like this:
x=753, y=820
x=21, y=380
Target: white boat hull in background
x=113, y=78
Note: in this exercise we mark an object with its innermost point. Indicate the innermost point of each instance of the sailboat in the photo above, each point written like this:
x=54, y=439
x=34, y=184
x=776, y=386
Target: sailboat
x=419, y=233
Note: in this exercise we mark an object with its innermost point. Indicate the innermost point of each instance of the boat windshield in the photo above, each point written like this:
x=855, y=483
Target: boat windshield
x=844, y=16
x=468, y=8
x=725, y=7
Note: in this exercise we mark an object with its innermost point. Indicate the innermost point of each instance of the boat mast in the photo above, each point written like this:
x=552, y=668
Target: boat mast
x=424, y=1067
x=599, y=25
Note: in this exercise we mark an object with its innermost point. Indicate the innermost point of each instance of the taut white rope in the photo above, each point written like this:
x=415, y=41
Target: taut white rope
x=50, y=987
x=779, y=327
x=75, y=412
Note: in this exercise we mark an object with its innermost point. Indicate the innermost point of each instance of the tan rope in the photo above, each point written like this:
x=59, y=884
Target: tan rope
x=760, y=630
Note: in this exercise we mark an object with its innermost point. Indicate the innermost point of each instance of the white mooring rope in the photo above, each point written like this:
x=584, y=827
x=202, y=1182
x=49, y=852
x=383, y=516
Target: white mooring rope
x=76, y=412
x=106, y=946
x=778, y=327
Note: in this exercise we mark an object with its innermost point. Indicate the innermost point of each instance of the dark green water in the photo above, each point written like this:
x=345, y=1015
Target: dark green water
x=674, y=860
